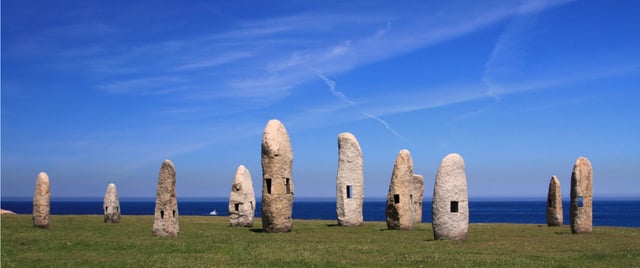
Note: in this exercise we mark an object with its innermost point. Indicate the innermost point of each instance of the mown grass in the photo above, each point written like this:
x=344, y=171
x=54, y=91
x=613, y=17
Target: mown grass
x=85, y=241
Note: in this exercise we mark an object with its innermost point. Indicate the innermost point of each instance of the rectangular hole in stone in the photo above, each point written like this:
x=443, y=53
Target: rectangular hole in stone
x=580, y=201
x=287, y=185
x=237, y=206
x=396, y=198
x=550, y=202
x=174, y=214
x=268, y=181
x=117, y=209
x=161, y=214
x=454, y=206
x=106, y=209
x=348, y=191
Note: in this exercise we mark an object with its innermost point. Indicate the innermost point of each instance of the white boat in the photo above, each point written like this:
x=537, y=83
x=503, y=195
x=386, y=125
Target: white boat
x=213, y=213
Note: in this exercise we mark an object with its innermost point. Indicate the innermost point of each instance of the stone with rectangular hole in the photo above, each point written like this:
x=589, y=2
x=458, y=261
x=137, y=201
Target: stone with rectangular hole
x=581, y=206
x=349, y=181
x=111, y=205
x=554, y=203
x=165, y=217
x=242, y=200
x=450, y=207
x=277, y=184
x=400, y=208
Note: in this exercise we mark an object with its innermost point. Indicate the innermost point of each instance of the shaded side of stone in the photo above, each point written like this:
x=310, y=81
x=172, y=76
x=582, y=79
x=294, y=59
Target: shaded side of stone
x=111, y=205
x=581, y=206
x=242, y=200
x=349, y=181
x=42, y=202
x=450, y=205
x=277, y=183
x=554, y=203
x=165, y=217
x=399, y=209
x=418, y=188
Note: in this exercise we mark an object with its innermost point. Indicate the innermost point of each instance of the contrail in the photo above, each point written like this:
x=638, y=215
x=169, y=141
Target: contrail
x=338, y=94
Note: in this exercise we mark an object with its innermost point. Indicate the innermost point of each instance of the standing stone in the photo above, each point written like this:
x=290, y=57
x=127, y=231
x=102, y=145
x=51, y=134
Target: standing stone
x=349, y=182
x=418, y=187
x=242, y=200
x=581, y=208
x=277, y=184
x=450, y=200
x=111, y=205
x=165, y=218
x=399, y=210
x=554, y=203
x=42, y=202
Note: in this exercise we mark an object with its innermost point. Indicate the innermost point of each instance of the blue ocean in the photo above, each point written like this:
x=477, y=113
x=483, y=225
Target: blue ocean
x=624, y=213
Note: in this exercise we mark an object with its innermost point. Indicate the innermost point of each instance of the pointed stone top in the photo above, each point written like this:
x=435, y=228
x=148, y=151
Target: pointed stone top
x=554, y=180
x=346, y=135
x=404, y=154
x=241, y=172
x=453, y=158
x=275, y=140
x=43, y=178
x=112, y=188
x=168, y=163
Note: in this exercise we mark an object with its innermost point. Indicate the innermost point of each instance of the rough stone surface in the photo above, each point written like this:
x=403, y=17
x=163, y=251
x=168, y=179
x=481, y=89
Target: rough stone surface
x=111, y=205
x=399, y=210
x=165, y=218
x=349, y=181
x=277, y=184
x=242, y=200
x=450, y=208
x=42, y=202
x=418, y=188
x=554, y=203
x=581, y=206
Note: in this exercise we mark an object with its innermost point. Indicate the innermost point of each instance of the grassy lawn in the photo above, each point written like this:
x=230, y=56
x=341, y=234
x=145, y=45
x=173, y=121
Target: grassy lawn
x=85, y=241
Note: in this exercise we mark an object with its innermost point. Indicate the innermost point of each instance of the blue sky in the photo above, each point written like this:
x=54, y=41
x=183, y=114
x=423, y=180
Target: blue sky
x=95, y=92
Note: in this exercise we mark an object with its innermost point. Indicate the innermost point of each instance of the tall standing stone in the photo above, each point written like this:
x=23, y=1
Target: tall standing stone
x=242, y=200
x=450, y=206
x=42, y=202
x=277, y=184
x=111, y=205
x=581, y=208
x=418, y=187
x=399, y=209
x=554, y=203
x=165, y=218
x=349, y=182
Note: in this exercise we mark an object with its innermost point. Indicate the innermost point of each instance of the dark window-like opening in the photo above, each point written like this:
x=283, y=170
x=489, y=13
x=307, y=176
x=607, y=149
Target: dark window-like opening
x=117, y=209
x=237, y=206
x=348, y=191
x=287, y=185
x=580, y=202
x=106, y=209
x=550, y=202
x=454, y=206
x=268, y=181
x=396, y=198
x=174, y=214
x=251, y=202
x=161, y=214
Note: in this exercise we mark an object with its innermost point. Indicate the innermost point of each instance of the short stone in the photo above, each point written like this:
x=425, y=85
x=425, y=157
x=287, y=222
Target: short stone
x=554, y=203
x=242, y=200
x=111, y=205
x=450, y=207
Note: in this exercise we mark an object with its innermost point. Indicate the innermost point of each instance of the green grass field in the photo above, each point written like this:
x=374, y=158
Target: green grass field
x=85, y=241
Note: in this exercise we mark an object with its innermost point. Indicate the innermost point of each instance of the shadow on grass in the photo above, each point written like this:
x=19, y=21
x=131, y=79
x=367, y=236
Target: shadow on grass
x=257, y=230
x=334, y=225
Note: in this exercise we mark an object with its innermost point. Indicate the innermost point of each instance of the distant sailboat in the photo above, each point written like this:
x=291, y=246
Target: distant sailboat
x=213, y=213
